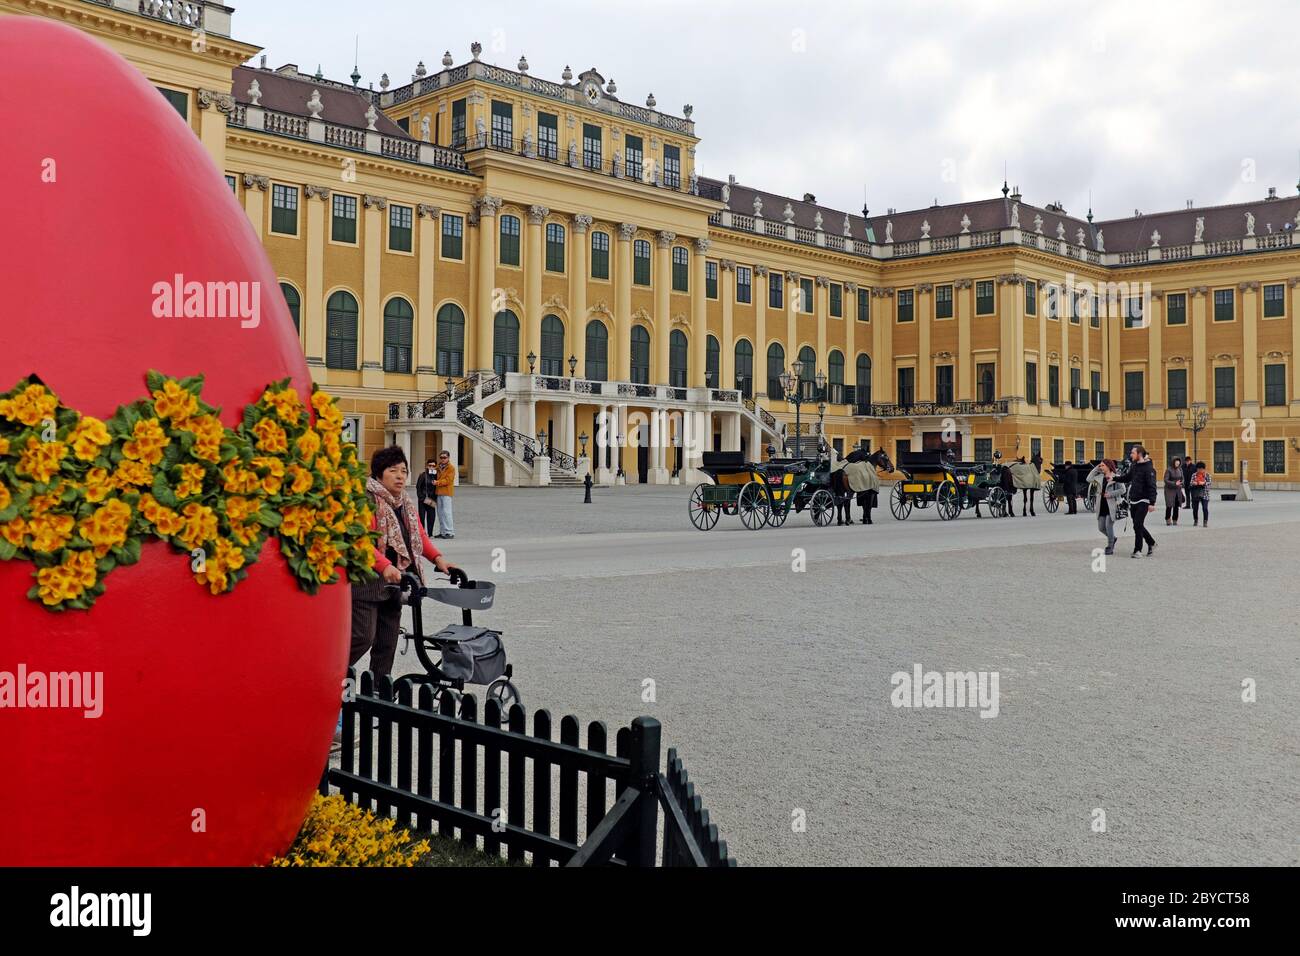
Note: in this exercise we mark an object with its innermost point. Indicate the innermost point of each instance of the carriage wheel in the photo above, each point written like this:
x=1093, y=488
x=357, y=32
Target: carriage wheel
x=947, y=500
x=703, y=516
x=998, y=503
x=1090, y=499
x=899, y=503
x=822, y=506
x=1050, y=501
x=752, y=506
x=776, y=516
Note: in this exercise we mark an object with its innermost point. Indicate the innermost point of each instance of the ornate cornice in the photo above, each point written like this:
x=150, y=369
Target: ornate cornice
x=760, y=271
x=963, y=283
x=626, y=230
x=883, y=292
x=822, y=281
x=488, y=205
x=791, y=276
x=1011, y=278
x=313, y=191
x=537, y=214
x=701, y=246
x=1250, y=286
x=1199, y=290
x=850, y=287
x=256, y=181
x=727, y=265
x=224, y=102
x=664, y=238
x=925, y=287
x=424, y=209
x=581, y=223
x=371, y=201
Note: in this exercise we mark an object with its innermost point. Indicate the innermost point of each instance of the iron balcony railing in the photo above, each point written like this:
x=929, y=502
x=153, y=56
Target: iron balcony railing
x=922, y=409
x=647, y=173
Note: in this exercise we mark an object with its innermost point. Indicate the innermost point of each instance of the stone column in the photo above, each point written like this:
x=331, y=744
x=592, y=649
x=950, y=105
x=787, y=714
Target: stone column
x=1043, y=405
x=1249, y=349
x=727, y=292
x=821, y=308
x=924, y=358
x=850, y=333
x=1293, y=369
x=568, y=418
x=792, y=295
x=372, y=317
x=426, y=330
x=885, y=378
x=577, y=334
x=1197, y=384
x=1155, y=363
x=621, y=363
x=313, y=300
x=1011, y=354
x=658, y=475
x=699, y=321
x=663, y=315
x=759, y=288
x=255, y=188
x=507, y=421
x=731, y=431
x=965, y=367
x=531, y=339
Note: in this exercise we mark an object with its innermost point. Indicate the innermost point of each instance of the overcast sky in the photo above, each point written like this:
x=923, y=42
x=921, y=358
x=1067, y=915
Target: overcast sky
x=1146, y=104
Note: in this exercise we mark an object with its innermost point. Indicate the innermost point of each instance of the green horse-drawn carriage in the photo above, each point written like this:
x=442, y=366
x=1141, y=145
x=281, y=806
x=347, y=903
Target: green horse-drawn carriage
x=931, y=477
x=761, y=493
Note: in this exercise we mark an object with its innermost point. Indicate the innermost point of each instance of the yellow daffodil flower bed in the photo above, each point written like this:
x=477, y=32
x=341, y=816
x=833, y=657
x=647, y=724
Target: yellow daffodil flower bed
x=79, y=496
x=338, y=833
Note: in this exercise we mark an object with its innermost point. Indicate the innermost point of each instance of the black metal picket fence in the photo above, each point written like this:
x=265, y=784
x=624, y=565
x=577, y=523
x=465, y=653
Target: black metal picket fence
x=398, y=747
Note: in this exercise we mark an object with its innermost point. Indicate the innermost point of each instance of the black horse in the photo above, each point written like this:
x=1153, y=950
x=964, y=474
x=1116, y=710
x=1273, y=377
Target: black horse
x=866, y=499
x=1007, y=483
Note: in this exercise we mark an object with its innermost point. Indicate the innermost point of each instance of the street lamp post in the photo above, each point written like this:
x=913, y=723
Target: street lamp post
x=541, y=442
x=582, y=440
x=1198, y=422
x=532, y=361
x=792, y=386
x=573, y=365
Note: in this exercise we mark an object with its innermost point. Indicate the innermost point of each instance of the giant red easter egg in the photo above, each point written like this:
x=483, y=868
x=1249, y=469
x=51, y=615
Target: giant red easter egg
x=217, y=711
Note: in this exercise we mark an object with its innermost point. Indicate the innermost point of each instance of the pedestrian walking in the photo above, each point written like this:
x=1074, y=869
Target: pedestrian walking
x=1173, y=491
x=426, y=495
x=1141, y=480
x=1198, y=493
x=1109, y=495
x=445, y=487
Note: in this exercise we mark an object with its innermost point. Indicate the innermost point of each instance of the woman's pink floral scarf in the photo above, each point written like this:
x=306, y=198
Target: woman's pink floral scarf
x=390, y=532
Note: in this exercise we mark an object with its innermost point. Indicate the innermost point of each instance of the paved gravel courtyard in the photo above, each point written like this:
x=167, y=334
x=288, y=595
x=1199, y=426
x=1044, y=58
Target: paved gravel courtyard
x=1118, y=690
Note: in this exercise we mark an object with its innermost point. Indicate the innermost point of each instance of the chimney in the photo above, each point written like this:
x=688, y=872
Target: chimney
x=1189, y=204
x=262, y=63
x=1015, y=194
x=809, y=197
x=1272, y=192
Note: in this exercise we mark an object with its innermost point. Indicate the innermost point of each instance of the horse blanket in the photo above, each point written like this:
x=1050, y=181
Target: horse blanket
x=1025, y=476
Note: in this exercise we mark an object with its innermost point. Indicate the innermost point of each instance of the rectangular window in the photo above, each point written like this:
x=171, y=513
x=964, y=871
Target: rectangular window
x=591, y=146
x=503, y=125
x=1225, y=386
x=837, y=301
x=1274, y=384
x=1176, y=308
x=905, y=305
x=984, y=449
x=864, y=304
x=1094, y=313
x=230, y=181
x=1274, y=301
x=640, y=262
x=343, y=227
x=1031, y=298
x=1176, y=449
x=1031, y=383
x=458, y=124
x=554, y=247
x=710, y=280
x=600, y=255
x=548, y=136
x=178, y=99
x=907, y=386
x=1274, y=457
x=806, y=296
x=399, y=227
x=1099, y=450
x=633, y=156
x=943, y=384
x=1134, y=393
x=284, y=209
x=681, y=269
x=1076, y=308
x=453, y=237
x=1053, y=385
x=1094, y=383
x=1035, y=447
x=1076, y=385
x=1078, y=450
x=1223, y=458
x=1176, y=386
x=943, y=302
x=985, y=381
x=672, y=167
x=1058, y=450
x=901, y=447
x=1133, y=313
x=1225, y=305
x=744, y=284
x=510, y=228
x=984, y=297
x=1052, y=300
x=775, y=291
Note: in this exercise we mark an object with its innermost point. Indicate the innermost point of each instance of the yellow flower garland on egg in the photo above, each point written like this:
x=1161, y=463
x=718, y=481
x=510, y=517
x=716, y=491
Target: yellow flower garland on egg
x=79, y=496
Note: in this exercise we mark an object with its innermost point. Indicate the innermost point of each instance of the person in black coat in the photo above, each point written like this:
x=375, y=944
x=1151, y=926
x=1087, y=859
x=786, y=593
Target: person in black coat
x=1070, y=482
x=427, y=497
x=1142, y=496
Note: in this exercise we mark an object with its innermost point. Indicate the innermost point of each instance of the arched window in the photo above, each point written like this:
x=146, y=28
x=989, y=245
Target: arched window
x=597, y=351
x=713, y=362
x=294, y=302
x=775, y=369
x=745, y=368
x=677, y=359
x=341, y=331
x=862, y=388
x=552, y=345
x=640, y=355
x=399, y=318
x=807, y=371
x=835, y=377
x=451, y=340
x=986, y=381
x=505, y=342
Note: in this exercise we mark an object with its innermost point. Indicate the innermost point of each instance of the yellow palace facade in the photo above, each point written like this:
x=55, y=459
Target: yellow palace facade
x=531, y=274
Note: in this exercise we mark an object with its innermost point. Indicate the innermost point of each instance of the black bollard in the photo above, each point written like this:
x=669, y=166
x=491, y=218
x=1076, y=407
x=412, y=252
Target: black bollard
x=586, y=484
